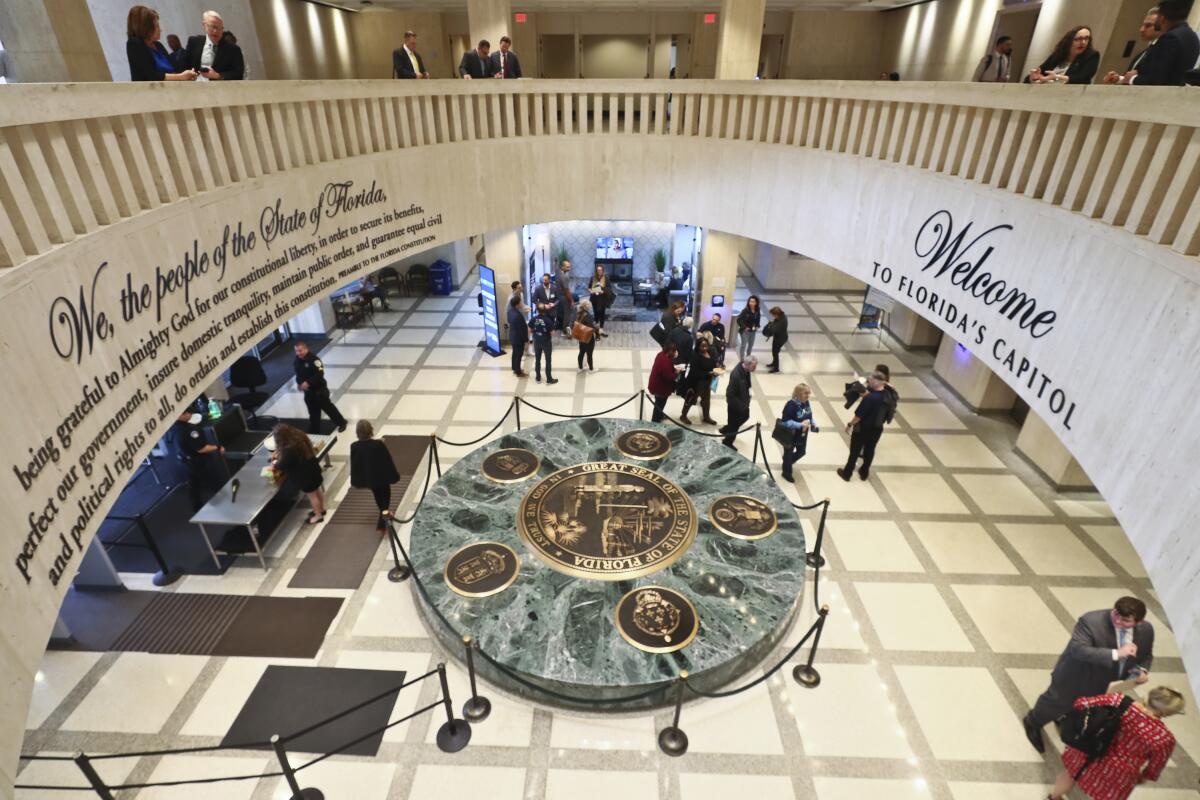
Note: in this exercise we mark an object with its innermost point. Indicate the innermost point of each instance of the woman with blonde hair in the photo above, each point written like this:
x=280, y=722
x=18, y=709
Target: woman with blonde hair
x=295, y=460
x=587, y=345
x=798, y=416
x=1138, y=752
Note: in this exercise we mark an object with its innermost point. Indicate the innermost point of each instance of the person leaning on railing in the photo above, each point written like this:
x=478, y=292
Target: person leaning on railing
x=1074, y=60
x=1167, y=62
x=148, y=59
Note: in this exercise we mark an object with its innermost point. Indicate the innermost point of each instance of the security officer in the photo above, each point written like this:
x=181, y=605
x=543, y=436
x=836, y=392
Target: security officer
x=310, y=379
x=206, y=470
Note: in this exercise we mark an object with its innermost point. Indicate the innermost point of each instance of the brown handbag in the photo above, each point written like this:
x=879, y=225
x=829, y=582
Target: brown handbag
x=581, y=332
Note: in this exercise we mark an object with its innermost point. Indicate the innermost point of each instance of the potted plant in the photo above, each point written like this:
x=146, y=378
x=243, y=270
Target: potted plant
x=562, y=255
x=660, y=261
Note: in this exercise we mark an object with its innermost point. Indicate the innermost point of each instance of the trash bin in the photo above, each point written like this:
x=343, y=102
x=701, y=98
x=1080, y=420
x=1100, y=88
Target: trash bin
x=441, y=277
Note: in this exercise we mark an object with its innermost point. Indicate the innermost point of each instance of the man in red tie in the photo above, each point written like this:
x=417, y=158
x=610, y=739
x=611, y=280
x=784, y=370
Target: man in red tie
x=504, y=61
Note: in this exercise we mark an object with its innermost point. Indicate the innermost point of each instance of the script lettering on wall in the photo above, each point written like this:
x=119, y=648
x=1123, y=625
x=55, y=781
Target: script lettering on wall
x=956, y=263
x=143, y=343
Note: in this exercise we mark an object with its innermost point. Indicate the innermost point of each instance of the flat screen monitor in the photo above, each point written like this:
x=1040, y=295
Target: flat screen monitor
x=614, y=248
x=491, y=316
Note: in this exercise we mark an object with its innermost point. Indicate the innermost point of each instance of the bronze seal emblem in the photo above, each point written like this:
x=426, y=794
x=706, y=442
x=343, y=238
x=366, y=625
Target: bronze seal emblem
x=742, y=517
x=512, y=465
x=643, y=444
x=607, y=520
x=657, y=619
x=481, y=569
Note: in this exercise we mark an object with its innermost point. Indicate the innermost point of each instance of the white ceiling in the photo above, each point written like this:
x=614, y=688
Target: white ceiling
x=624, y=5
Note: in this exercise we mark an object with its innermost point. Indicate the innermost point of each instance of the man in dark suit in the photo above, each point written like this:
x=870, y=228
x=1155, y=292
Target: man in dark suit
x=1109, y=645
x=518, y=333
x=476, y=63
x=214, y=56
x=737, y=399
x=547, y=299
x=406, y=61
x=1175, y=52
x=1148, y=32
x=505, y=63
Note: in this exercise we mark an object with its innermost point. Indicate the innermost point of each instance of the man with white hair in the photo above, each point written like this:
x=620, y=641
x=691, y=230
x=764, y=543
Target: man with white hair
x=866, y=427
x=213, y=55
x=737, y=398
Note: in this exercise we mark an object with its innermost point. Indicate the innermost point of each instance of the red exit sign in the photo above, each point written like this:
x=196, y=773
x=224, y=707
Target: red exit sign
x=520, y=17
x=710, y=19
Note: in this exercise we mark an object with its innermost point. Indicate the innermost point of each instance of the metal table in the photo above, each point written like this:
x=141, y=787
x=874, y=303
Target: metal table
x=255, y=491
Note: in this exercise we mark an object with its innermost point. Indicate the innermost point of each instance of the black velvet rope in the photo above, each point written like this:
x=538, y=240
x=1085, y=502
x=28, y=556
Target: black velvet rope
x=622, y=404
x=731, y=692
x=481, y=438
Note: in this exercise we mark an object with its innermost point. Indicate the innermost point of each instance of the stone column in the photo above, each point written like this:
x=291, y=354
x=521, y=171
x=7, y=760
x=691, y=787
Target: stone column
x=1042, y=448
x=779, y=269
x=505, y=254
x=971, y=379
x=720, y=254
x=911, y=329
x=739, y=38
x=488, y=19
x=51, y=41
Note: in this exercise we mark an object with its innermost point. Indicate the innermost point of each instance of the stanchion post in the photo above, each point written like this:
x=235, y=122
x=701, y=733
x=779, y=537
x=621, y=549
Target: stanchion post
x=815, y=559
x=89, y=772
x=437, y=462
x=517, y=403
x=805, y=674
x=757, y=437
x=477, y=708
x=642, y=405
x=165, y=575
x=454, y=733
x=399, y=571
x=289, y=774
x=672, y=740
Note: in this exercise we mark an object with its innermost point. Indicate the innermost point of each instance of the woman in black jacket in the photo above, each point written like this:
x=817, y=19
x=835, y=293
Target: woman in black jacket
x=583, y=316
x=1074, y=60
x=747, y=327
x=371, y=467
x=777, y=332
x=600, y=288
x=148, y=59
x=699, y=380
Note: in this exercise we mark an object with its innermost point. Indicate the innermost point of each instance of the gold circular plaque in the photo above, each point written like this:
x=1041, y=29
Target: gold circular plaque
x=511, y=465
x=657, y=619
x=607, y=520
x=644, y=444
x=481, y=569
x=742, y=517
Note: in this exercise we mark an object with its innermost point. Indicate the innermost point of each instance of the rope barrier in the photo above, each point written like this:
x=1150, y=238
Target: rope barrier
x=481, y=438
x=371, y=733
x=731, y=692
x=622, y=404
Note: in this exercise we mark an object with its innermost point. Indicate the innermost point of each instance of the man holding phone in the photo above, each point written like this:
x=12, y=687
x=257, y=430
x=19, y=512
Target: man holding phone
x=213, y=55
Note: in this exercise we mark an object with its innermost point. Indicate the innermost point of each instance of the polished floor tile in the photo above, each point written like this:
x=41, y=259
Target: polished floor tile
x=443, y=781
x=509, y=725
x=1114, y=542
x=921, y=492
x=853, y=691
x=389, y=610
x=397, y=356
x=929, y=416
x=374, y=380
x=957, y=450
x=65, y=773
x=912, y=616
x=58, y=674
x=1052, y=550
x=187, y=768
x=343, y=780
x=857, y=788
x=1013, y=619
x=616, y=732
x=963, y=790
x=438, y=380
x=963, y=714
x=584, y=784
x=137, y=694
x=412, y=336
x=872, y=546
x=708, y=723
x=422, y=406
x=707, y=786
x=963, y=548
x=426, y=319
x=853, y=496
x=1002, y=495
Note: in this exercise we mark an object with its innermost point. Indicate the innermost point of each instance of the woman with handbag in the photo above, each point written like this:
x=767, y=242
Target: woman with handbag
x=600, y=288
x=662, y=380
x=747, y=327
x=798, y=419
x=699, y=380
x=584, y=332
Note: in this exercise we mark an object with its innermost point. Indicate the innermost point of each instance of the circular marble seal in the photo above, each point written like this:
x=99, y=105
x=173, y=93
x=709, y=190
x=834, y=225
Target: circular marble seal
x=607, y=520
x=657, y=619
x=481, y=569
x=643, y=444
x=742, y=517
x=512, y=465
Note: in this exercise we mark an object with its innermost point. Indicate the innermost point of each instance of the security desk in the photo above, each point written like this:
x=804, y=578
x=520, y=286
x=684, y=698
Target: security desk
x=255, y=491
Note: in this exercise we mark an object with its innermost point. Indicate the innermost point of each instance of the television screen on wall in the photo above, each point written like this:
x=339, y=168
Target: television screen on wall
x=614, y=248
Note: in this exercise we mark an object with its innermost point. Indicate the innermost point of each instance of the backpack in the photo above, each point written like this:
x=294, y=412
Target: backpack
x=658, y=333
x=891, y=399
x=1092, y=730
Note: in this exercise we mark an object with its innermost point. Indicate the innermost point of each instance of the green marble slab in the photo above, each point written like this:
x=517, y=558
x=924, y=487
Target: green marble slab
x=558, y=631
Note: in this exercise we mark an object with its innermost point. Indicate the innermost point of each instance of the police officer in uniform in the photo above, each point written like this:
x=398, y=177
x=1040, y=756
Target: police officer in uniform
x=310, y=378
x=206, y=470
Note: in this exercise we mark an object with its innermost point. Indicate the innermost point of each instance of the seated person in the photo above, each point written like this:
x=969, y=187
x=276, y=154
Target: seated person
x=371, y=289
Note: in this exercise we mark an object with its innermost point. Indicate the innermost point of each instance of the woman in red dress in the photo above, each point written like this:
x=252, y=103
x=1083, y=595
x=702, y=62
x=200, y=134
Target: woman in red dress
x=1138, y=753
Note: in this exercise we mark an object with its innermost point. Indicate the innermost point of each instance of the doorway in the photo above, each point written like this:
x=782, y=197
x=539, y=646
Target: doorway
x=1017, y=22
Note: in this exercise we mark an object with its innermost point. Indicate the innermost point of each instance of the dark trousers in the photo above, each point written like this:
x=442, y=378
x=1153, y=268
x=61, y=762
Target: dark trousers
x=601, y=310
x=776, y=346
x=660, y=403
x=585, y=350
x=541, y=348
x=383, y=501
x=736, y=418
x=702, y=394
x=793, y=453
x=318, y=400
x=518, y=353
x=862, y=442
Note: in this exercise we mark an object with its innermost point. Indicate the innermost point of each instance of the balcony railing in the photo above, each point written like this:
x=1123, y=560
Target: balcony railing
x=77, y=157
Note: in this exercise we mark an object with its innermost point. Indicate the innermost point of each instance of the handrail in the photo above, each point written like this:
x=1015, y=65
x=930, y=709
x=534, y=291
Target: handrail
x=75, y=158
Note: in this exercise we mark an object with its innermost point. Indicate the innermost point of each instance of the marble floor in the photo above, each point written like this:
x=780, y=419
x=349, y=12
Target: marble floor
x=954, y=577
